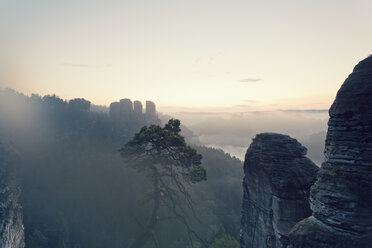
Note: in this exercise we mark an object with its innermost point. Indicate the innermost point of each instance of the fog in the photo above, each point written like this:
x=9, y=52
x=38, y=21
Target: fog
x=76, y=190
x=25, y=123
x=233, y=132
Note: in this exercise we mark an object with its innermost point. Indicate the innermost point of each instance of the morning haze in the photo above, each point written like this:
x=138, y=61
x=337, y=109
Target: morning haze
x=213, y=52
x=185, y=124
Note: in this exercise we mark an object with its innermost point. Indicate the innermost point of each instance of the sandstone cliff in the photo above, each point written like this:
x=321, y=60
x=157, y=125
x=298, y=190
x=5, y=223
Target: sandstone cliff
x=11, y=226
x=276, y=187
x=341, y=198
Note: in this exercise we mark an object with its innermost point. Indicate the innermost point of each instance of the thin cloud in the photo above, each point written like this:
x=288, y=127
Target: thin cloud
x=249, y=80
x=242, y=105
x=86, y=65
x=305, y=110
x=250, y=101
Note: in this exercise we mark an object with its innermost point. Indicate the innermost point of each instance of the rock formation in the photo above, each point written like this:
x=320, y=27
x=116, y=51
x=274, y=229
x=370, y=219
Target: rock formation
x=116, y=110
x=341, y=198
x=79, y=104
x=125, y=112
x=150, y=108
x=276, y=187
x=127, y=106
x=11, y=226
x=137, y=108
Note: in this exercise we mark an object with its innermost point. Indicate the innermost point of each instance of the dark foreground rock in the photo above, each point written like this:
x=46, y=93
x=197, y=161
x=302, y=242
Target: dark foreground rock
x=11, y=226
x=341, y=198
x=276, y=187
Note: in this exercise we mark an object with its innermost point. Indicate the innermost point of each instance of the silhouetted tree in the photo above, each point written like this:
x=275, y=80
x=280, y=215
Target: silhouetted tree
x=171, y=164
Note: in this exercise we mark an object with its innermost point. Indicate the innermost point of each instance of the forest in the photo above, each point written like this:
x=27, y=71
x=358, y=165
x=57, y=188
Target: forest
x=77, y=191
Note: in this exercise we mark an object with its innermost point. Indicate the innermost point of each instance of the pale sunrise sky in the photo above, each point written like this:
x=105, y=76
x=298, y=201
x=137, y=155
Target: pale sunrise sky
x=185, y=54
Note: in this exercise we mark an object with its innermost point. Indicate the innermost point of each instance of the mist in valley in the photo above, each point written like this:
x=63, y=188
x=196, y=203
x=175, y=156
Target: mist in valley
x=233, y=132
x=135, y=124
x=77, y=191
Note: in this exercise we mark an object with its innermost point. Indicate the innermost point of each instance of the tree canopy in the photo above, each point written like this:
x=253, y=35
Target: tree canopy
x=172, y=165
x=166, y=150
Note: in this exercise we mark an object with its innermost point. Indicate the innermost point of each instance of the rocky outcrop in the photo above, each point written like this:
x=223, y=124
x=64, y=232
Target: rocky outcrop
x=341, y=198
x=150, y=108
x=137, y=108
x=276, y=187
x=79, y=104
x=126, y=109
x=11, y=226
x=127, y=106
x=116, y=110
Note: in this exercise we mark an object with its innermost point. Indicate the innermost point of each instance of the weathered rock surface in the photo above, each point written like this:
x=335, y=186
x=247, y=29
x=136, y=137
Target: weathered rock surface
x=341, y=198
x=276, y=188
x=11, y=226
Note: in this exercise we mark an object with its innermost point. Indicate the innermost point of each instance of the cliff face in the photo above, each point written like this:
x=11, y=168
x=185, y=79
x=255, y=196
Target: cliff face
x=341, y=198
x=276, y=187
x=11, y=226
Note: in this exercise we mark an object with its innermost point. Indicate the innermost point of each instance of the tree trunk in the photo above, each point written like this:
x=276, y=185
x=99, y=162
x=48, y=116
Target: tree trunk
x=143, y=238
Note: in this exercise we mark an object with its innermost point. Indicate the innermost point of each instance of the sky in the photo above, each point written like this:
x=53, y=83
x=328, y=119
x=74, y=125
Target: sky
x=185, y=55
